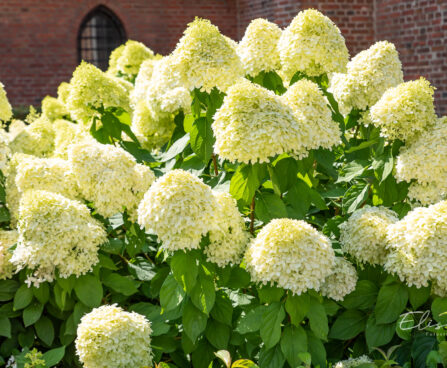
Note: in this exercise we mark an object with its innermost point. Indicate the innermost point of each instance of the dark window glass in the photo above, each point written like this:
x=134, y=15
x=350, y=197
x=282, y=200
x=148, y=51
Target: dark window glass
x=100, y=33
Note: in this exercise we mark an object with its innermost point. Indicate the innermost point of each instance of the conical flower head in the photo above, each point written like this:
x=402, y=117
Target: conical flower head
x=56, y=234
x=312, y=44
x=404, y=111
x=91, y=88
x=253, y=124
x=109, y=337
x=369, y=74
x=179, y=208
x=258, y=48
x=5, y=106
x=131, y=57
x=205, y=58
x=317, y=129
x=291, y=254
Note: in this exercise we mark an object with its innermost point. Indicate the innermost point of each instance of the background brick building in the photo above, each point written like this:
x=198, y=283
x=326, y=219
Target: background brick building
x=39, y=39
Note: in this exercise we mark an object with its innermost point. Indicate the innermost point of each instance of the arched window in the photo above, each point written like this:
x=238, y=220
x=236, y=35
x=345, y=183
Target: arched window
x=100, y=33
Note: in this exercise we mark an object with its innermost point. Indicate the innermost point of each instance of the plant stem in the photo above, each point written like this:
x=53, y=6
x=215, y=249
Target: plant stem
x=216, y=171
x=252, y=216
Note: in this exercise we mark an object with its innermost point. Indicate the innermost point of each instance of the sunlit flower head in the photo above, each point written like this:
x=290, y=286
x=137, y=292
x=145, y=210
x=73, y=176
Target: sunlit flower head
x=363, y=236
x=53, y=108
x=418, y=248
x=63, y=91
x=229, y=239
x=205, y=58
x=291, y=254
x=7, y=239
x=341, y=281
x=253, y=124
x=405, y=111
x=5, y=106
x=310, y=107
x=312, y=44
x=258, y=48
x=179, y=208
x=131, y=57
x=109, y=337
x=109, y=177
x=56, y=234
x=369, y=74
x=91, y=88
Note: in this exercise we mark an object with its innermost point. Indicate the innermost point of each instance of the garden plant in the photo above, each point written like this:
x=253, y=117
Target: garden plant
x=269, y=203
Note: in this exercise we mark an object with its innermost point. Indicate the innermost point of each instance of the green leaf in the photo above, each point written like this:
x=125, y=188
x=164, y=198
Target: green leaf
x=318, y=319
x=176, y=148
x=142, y=269
x=297, y=307
x=217, y=334
x=422, y=345
x=405, y=326
x=269, y=294
x=299, y=198
x=418, y=296
x=250, y=321
x=88, y=289
x=271, y=324
x=202, y=139
x=348, y=325
x=203, y=294
x=443, y=352
x=244, y=363
x=245, y=182
x=351, y=171
x=194, y=321
x=23, y=297
x=223, y=309
x=121, y=284
x=355, y=196
x=5, y=327
x=293, y=342
x=185, y=269
x=32, y=313
x=378, y=335
x=316, y=350
x=42, y=293
x=439, y=310
x=271, y=358
x=113, y=246
x=7, y=289
x=285, y=174
x=269, y=206
x=363, y=297
x=171, y=294
x=54, y=356
x=391, y=301
x=45, y=330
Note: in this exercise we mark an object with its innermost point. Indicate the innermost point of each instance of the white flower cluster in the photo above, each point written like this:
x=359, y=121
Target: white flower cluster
x=35, y=139
x=405, y=111
x=179, y=208
x=311, y=110
x=205, y=58
x=363, y=236
x=55, y=234
x=5, y=151
x=53, y=108
x=312, y=44
x=418, y=248
x=426, y=155
x=258, y=48
x=109, y=337
x=109, y=177
x=130, y=57
x=291, y=254
x=5, y=106
x=353, y=362
x=229, y=238
x=253, y=124
x=369, y=74
x=7, y=239
x=341, y=281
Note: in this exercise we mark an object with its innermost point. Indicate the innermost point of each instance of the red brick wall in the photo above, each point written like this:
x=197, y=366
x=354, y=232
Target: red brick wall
x=418, y=28
x=38, y=38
